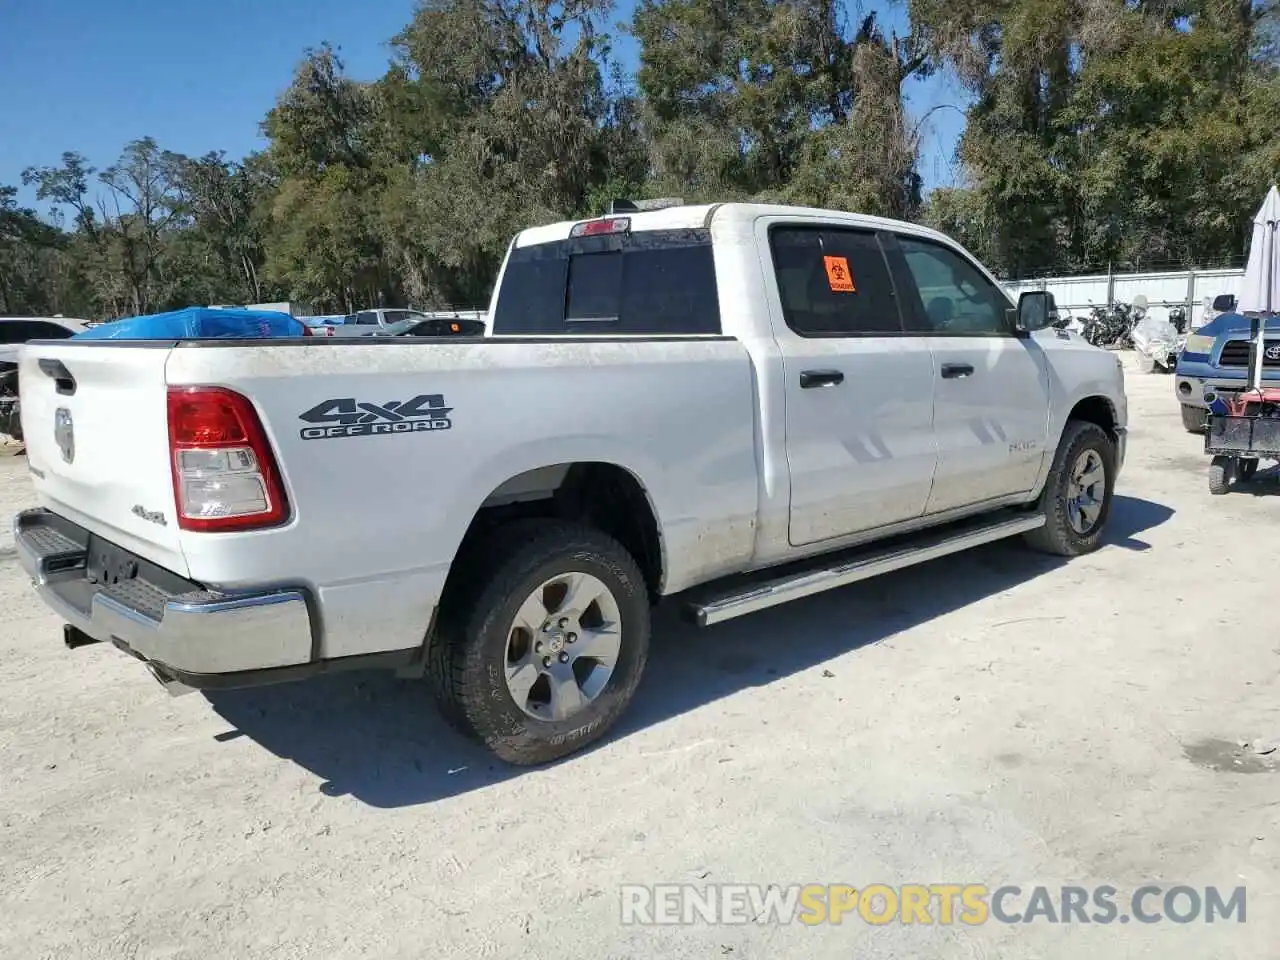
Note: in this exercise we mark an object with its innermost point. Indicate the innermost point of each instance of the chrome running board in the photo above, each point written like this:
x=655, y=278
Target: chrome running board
x=869, y=562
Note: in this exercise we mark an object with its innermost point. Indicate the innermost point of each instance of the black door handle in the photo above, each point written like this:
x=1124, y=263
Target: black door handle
x=954, y=371
x=820, y=378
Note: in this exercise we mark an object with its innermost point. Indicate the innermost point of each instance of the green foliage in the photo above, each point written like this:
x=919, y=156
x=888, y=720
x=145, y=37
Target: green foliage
x=1109, y=133
x=1121, y=132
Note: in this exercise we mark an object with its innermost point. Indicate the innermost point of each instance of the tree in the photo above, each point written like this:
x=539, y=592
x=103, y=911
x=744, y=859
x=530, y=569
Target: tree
x=1102, y=132
x=224, y=244
x=323, y=246
x=515, y=126
x=29, y=250
x=1109, y=132
x=866, y=160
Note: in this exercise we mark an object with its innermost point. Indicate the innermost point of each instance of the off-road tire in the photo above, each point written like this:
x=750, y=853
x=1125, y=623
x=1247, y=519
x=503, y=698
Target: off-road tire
x=1221, y=472
x=1194, y=418
x=466, y=654
x=1057, y=536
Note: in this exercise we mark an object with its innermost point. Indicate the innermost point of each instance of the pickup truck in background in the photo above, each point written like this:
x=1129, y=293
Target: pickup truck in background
x=1215, y=360
x=742, y=404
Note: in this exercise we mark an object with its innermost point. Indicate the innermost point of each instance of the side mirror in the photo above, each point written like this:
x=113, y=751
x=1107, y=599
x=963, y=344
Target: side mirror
x=1224, y=302
x=1037, y=310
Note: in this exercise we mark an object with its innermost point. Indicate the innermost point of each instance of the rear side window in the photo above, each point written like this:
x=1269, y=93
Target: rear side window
x=647, y=283
x=20, y=331
x=367, y=318
x=834, y=283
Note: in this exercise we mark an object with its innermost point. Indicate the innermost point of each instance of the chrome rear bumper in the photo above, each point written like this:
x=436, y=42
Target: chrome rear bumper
x=182, y=630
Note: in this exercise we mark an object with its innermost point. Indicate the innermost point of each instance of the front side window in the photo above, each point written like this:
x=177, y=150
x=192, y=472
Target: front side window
x=955, y=297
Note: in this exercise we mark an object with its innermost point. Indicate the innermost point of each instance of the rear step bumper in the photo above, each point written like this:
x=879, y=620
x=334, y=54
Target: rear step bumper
x=185, y=633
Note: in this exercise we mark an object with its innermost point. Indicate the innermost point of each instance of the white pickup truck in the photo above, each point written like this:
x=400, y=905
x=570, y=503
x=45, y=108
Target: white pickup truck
x=740, y=403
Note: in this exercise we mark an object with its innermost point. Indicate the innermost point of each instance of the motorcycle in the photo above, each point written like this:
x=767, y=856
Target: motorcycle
x=1113, y=325
x=1107, y=326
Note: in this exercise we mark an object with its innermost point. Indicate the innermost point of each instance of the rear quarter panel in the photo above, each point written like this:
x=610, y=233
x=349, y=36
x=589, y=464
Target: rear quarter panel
x=376, y=519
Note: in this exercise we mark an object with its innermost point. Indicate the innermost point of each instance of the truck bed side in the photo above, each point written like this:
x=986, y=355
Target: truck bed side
x=380, y=502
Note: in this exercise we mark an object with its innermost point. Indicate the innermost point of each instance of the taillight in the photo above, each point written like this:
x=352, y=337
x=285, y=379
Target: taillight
x=224, y=473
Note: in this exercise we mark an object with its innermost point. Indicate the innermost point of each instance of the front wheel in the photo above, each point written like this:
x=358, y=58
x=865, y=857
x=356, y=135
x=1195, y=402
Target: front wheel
x=1194, y=418
x=1221, y=472
x=541, y=655
x=1076, y=499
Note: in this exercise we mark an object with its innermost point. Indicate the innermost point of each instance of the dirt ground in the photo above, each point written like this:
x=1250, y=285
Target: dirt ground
x=994, y=718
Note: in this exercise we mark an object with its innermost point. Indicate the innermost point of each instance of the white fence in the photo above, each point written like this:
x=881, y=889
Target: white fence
x=1179, y=288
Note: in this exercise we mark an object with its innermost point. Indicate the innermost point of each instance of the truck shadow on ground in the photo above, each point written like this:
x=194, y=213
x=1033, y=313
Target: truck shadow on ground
x=381, y=741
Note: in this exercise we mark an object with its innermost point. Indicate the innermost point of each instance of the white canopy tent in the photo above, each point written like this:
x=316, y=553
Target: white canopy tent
x=1260, y=289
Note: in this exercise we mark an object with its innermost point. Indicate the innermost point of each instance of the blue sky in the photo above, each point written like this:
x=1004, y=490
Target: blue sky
x=90, y=75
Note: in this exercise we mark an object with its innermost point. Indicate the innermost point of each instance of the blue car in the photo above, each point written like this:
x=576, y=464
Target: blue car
x=1216, y=360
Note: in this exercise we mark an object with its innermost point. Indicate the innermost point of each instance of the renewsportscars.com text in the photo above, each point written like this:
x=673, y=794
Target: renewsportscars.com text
x=927, y=904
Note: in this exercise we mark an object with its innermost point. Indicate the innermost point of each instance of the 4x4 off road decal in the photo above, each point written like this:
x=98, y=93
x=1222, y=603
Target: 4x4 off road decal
x=348, y=417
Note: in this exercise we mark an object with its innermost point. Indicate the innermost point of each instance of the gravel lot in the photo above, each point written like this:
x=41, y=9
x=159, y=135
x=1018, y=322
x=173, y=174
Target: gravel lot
x=995, y=718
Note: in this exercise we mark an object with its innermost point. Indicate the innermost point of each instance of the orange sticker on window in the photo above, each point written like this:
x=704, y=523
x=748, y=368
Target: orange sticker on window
x=838, y=276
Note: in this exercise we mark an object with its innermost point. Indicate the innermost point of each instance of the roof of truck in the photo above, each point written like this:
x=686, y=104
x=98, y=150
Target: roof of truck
x=700, y=215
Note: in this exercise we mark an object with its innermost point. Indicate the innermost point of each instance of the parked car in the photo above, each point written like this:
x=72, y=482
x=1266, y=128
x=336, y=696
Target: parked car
x=434, y=327
x=740, y=403
x=367, y=323
x=15, y=331
x=1215, y=360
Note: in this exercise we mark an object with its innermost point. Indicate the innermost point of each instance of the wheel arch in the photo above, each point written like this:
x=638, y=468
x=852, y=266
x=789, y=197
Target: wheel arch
x=602, y=494
x=1096, y=409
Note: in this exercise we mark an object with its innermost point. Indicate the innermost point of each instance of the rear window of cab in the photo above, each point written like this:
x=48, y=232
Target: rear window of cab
x=650, y=282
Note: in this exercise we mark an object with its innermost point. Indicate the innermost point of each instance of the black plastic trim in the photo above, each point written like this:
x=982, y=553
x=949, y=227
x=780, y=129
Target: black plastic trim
x=384, y=660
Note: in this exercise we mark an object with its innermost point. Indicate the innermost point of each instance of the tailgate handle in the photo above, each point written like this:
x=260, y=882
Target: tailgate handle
x=809, y=379
x=63, y=381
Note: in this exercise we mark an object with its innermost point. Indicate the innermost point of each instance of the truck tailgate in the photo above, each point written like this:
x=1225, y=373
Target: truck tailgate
x=97, y=436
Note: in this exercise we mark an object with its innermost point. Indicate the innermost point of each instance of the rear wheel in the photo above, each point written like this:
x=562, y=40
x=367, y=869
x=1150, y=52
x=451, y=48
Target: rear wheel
x=540, y=657
x=1194, y=418
x=1076, y=499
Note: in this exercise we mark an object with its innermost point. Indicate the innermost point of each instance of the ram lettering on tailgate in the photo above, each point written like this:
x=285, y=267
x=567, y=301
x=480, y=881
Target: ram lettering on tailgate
x=349, y=417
